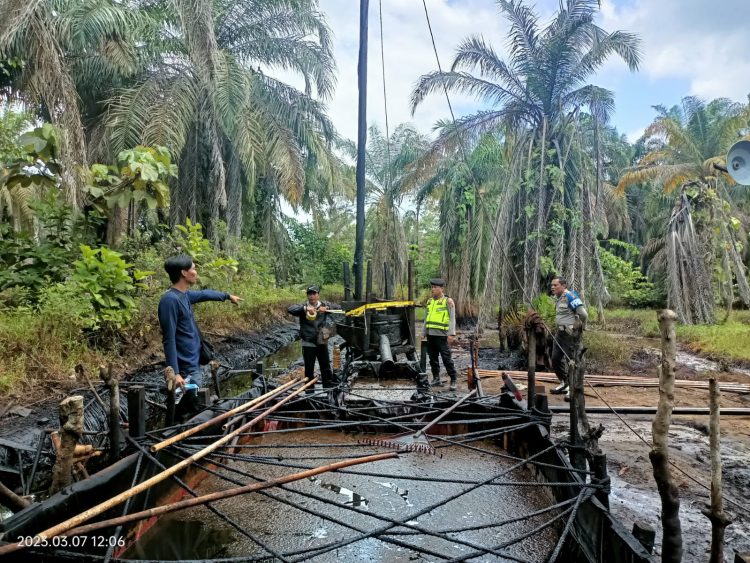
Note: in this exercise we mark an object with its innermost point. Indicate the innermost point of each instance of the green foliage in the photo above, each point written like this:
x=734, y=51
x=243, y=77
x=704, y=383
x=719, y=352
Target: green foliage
x=141, y=176
x=545, y=306
x=624, y=279
x=189, y=239
x=103, y=276
x=317, y=258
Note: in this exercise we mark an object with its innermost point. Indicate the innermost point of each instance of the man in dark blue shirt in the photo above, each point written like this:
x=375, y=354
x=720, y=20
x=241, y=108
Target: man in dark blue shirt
x=182, y=341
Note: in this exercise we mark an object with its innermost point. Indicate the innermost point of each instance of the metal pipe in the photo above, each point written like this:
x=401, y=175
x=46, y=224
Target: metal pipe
x=387, y=364
x=359, y=248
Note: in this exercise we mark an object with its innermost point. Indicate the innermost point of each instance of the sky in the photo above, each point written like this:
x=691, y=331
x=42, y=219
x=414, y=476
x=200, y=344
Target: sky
x=690, y=47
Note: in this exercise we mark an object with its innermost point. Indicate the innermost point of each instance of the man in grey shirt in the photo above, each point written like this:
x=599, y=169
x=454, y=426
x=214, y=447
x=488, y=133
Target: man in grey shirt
x=570, y=320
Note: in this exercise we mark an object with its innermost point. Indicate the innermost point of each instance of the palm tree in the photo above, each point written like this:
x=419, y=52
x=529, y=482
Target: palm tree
x=535, y=98
x=387, y=162
x=687, y=147
x=68, y=53
x=209, y=101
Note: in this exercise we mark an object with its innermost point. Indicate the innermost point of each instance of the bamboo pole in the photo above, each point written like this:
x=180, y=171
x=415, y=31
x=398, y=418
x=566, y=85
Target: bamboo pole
x=252, y=403
x=212, y=497
x=719, y=519
x=169, y=376
x=11, y=499
x=159, y=477
x=71, y=425
x=659, y=455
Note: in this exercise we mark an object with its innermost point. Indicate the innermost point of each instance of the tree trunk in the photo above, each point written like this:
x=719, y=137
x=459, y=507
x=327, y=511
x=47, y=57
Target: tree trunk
x=71, y=424
x=659, y=455
x=717, y=516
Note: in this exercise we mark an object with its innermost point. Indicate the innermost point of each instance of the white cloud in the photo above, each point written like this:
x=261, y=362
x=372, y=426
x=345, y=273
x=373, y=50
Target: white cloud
x=705, y=43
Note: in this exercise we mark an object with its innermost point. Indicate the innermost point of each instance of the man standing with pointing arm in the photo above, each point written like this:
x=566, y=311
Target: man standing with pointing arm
x=181, y=337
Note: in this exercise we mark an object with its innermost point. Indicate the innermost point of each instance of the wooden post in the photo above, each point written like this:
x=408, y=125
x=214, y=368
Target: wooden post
x=719, y=519
x=259, y=367
x=531, y=369
x=114, y=411
x=169, y=375
x=71, y=424
x=387, y=287
x=137, y=410
x=659, y=454
x=214, y=365
x=423, y=355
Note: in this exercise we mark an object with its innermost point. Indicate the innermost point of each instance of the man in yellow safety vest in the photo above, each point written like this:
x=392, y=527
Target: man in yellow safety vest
x=440, y=330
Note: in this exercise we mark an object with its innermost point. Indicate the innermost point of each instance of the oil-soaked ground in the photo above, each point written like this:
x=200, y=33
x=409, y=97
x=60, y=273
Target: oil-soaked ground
x=363, y=503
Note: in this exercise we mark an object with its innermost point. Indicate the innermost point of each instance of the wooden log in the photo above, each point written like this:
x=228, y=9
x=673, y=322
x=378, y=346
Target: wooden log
x=719, y=519
x=114, y=412
x=102, y=507
x=212, y=497
x=71, y=424
x=258, y=401
x=12, y=500
x=659, y=454
x=599, y=380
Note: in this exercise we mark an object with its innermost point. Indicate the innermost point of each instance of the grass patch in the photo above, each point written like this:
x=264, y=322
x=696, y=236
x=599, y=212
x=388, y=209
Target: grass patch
x=605, y=351
x=727, y=341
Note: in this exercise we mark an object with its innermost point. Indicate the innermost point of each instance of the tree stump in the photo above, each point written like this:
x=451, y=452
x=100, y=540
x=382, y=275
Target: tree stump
x=71, y=425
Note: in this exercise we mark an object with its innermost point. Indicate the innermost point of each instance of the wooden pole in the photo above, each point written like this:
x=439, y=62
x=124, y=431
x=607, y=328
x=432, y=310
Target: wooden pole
x=347, y=283
x=719, y=519
x=212, y=497
x=659, y=454
x=214, y=365
x=71, y=424
x=531, y=373
x=159, y=477
x=114, y=411
x=169, y=375
x=258, y=401
x=410, y=312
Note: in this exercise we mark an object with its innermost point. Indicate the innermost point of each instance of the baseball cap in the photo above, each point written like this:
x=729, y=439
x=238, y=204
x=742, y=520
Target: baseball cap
x=313, y=289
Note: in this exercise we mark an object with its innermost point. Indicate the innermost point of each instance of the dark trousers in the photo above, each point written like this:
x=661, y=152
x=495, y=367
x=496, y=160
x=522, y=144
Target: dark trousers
x=319, y=352
x=564, y=347
x=437, y=346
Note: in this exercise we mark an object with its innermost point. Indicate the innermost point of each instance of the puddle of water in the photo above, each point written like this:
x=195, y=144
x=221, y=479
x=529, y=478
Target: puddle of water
x=697, y=363
x=353, y=499
x=403, y=493
x=272, y=364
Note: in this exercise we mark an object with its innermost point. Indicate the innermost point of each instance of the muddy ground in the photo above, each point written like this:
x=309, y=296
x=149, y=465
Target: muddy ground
x=633, y=497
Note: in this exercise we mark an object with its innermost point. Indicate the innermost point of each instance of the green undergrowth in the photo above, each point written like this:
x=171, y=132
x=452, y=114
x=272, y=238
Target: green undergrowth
x=40, y=347
x=727, y=341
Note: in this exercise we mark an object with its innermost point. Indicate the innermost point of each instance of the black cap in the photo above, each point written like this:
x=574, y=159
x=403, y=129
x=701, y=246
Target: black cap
x=437, y=281
x=313, y=289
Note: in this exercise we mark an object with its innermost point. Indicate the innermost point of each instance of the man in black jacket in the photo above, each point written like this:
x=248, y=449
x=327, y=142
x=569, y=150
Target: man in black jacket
x=313, y=318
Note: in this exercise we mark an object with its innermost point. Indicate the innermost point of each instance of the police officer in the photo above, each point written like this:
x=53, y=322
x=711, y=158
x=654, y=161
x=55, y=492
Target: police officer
x=570, y=320
x=440, y=330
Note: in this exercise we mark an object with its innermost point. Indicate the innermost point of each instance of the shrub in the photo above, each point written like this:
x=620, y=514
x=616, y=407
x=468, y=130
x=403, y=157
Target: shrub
x=104, y=277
